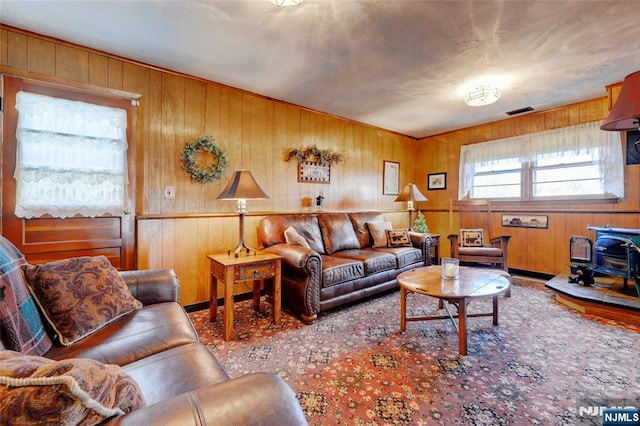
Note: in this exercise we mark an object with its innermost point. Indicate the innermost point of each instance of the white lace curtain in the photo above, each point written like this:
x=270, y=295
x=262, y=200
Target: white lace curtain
x=71, y=158
x=605, y=149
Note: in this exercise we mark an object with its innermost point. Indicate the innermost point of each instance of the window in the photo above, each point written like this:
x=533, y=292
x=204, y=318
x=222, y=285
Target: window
x=71, y=158
x=578, y=161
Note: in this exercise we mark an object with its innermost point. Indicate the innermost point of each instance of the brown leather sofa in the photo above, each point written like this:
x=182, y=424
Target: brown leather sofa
x=181, y=380
x=341, y=265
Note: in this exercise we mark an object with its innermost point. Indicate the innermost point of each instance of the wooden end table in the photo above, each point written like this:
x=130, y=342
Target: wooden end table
x=472, y=283
x=229, y=270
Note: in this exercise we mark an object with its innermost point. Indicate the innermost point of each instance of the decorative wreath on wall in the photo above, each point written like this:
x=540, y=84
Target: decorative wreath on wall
x=322, y=156
x=198, y=171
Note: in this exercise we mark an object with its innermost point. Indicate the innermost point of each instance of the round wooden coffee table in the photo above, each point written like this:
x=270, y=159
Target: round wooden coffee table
x=472, y=283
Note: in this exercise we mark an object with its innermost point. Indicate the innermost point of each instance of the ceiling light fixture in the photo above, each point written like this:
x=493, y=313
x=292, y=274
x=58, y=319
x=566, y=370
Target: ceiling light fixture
x=285, y=3
x=482, y=95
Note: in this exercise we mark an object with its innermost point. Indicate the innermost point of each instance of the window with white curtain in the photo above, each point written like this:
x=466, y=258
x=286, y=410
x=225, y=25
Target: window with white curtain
x=574, y=162
x=71, y=158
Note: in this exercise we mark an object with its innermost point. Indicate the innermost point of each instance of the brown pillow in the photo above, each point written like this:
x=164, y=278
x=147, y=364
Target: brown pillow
x=398, y=238
x=379, y=232
x=79, y=295
x=72, y=391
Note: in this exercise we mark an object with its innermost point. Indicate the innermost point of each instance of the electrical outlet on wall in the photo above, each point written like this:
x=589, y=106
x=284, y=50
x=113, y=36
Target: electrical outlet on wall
x=169, y=192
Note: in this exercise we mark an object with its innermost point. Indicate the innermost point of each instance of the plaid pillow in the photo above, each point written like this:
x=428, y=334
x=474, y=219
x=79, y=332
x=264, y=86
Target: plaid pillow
x=21, y=327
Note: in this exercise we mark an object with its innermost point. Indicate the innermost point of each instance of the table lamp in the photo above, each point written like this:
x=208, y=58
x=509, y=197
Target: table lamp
x=411, y=193
x=242, y=186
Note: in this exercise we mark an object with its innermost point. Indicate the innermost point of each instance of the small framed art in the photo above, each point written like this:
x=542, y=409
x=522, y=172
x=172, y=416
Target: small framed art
x=436, y=181
x=525, y=221
x=314, y=172
x=390, y=179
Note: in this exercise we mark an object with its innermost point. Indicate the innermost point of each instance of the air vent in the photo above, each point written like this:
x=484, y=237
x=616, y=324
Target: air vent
x=519, y=111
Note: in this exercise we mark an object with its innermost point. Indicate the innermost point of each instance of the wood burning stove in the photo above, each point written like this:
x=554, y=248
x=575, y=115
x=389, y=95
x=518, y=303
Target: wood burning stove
x=615, y=251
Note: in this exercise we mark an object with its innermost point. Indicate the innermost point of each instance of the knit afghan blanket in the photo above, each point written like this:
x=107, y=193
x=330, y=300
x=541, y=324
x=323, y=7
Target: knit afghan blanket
x=21, y=327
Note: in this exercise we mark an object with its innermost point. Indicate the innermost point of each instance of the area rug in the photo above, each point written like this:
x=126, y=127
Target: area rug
x=543, y=363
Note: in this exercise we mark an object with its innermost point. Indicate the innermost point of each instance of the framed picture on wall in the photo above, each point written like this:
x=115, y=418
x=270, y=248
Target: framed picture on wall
x=314, y=172
x=436, y=181
x=390, y=179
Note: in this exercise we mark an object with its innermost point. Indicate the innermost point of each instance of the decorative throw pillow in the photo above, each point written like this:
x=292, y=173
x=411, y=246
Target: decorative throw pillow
x=21, y=327
x=72, y=391
x=398, y=238
x=378, y=232
x=80, y=295
x=472, y=237
x=292, y=236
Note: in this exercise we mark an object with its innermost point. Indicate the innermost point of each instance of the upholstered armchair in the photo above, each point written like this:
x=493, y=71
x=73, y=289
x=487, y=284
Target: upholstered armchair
x=471, y=248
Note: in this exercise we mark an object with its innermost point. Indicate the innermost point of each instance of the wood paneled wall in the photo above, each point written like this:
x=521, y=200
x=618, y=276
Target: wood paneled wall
x=538, y=250
x=253, y=130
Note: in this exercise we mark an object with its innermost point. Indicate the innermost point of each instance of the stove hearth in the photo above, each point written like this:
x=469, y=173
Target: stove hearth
x=613, y=251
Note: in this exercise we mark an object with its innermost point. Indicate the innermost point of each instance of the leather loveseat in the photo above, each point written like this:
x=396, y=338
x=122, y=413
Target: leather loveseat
x=181, y=380
x=340, y=264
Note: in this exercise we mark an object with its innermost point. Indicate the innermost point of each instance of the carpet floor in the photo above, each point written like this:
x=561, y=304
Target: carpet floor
x=353, y=366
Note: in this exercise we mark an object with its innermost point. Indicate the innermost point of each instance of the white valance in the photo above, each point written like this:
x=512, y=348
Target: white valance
x=71, y=158
x=605, y=148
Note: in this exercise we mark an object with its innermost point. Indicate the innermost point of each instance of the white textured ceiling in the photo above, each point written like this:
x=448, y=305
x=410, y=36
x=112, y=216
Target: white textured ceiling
x=404, y=66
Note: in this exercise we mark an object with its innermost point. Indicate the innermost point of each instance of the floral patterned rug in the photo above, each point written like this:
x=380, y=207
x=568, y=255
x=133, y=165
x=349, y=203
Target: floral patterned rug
x=540, y=365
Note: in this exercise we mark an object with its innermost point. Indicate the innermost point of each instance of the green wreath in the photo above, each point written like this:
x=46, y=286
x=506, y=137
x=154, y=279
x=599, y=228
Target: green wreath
x=198, y=171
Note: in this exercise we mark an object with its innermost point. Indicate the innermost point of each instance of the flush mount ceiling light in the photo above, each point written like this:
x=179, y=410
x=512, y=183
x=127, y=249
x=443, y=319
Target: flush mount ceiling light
x=482, y=95
x=285, y=3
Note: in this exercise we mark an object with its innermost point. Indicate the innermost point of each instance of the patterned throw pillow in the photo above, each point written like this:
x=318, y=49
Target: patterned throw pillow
x=398, y=238
x=292, y=236
x=471, y=237
x=378, y=232
x=74, y=391
x=80, y=295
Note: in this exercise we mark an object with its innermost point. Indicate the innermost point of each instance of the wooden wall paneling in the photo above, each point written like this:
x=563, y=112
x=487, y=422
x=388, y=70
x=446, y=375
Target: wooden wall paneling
x=520, y=249
x=284, y=136
x=168, y=246
x=186, y=243
x=277, y=133
x=245, y=139
x=562, y=241
x=349, y=197
x=136, y=80
x=544, y=246
x=212, y=127
x=153, y=143
x=72, y=63
x=3, y=46
x=17, y=51
x=173, y=139
x=99, y=70
x=41, y=56
x=194, y=193
x=254, y=131
x=115, y=73
x=334, y=141
x=632, y=183
x=260, y=147
x=369, y=185
x=149, y=242
x=236, y=130
x=271, y=159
